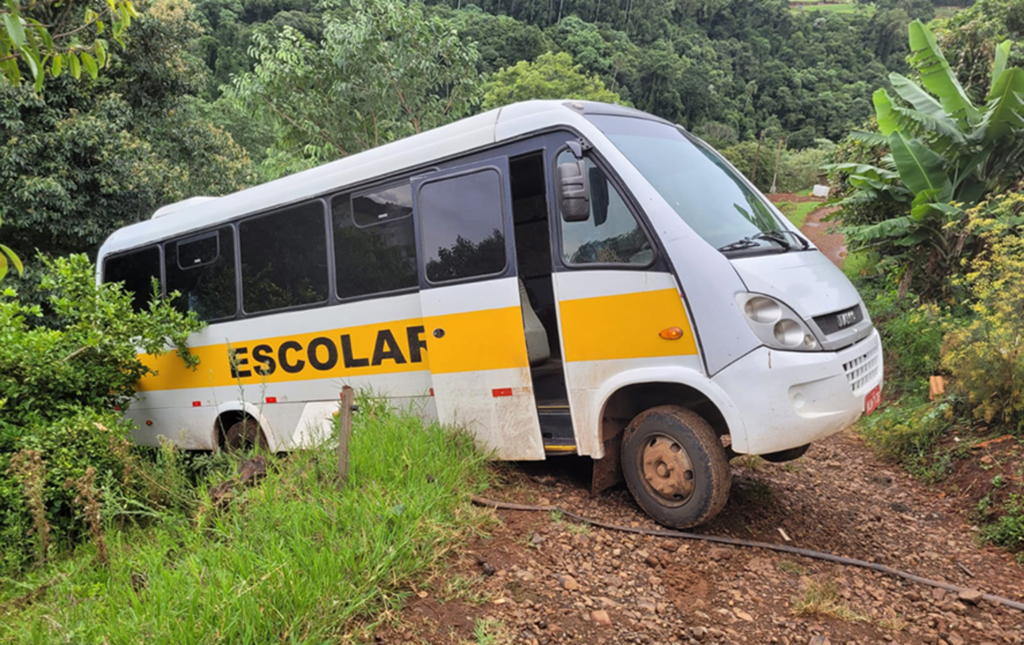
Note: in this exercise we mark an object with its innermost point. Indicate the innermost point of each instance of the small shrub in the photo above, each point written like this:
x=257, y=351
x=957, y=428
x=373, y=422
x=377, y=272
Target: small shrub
x=822, y=599
x=986, y=356
x=907, y=432
x=1008, y=530
x=911, y=334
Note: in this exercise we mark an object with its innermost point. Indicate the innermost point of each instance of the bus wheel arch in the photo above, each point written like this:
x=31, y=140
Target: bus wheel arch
x=628, y=401
x=238, y=427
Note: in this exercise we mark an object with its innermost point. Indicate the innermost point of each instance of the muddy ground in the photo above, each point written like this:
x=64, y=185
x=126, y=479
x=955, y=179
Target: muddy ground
x=541, y=579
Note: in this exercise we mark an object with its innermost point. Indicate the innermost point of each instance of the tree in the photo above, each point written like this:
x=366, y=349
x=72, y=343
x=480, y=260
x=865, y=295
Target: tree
x=551, y=76
x=384, y=73
x=52, y=35
x=82, y=160
x=946, y=153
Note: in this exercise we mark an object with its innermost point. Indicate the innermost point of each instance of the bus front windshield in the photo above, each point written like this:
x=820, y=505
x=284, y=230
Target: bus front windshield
x=704, y=191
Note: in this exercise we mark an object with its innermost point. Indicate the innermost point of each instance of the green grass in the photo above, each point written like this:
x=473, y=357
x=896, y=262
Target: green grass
x=291, y=560
x=797, y=212
x=851, y=8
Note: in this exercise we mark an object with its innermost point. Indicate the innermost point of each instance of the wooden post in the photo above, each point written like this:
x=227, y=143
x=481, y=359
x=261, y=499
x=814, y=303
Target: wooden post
x=344, y=433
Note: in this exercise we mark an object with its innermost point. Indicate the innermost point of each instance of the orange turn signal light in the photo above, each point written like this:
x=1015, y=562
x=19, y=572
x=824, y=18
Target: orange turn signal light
x=671, y=333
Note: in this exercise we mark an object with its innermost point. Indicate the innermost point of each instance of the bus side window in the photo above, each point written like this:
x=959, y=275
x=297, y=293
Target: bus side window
x=284, y=258
x=611, y=234
x=462, y=223
x=136, y=271
x=201, y=269
x=374, y=241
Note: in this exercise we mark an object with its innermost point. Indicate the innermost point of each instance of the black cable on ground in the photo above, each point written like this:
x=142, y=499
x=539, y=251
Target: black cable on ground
x=807, y=553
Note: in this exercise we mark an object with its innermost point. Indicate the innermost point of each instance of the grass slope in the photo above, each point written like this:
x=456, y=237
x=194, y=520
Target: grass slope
x=291, y=560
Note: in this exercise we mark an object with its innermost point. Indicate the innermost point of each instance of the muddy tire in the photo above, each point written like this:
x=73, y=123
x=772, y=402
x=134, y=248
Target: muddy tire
x=244, y=435
x=675, y=466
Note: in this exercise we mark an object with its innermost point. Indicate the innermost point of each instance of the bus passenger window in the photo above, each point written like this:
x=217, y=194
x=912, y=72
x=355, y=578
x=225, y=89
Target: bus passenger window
x=374, y=241
x=202, y=270
x=136, y=270
x=611, y=235
x=284, y=258
x=462, y=222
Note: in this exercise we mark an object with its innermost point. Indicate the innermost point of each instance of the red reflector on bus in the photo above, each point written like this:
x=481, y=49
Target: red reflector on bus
x=502, y=391
x=431, y=391
x=149, y=422
x=271, y=399
x=197, y=404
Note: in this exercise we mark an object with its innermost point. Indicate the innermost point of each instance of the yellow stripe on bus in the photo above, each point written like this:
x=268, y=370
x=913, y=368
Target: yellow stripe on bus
x=478, y=340
x=625, y=326
x=490, y=339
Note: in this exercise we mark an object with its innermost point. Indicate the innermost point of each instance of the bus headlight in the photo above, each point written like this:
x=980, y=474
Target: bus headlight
x=775, y=324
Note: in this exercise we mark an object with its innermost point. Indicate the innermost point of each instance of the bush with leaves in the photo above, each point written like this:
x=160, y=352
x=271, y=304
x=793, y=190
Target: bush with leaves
x=50, y=36
x=62, y=379
x=551, y=76
x=986, y=356
x=945, y=154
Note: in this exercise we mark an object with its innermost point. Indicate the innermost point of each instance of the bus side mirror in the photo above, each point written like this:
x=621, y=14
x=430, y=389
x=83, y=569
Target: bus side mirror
x=575, y=191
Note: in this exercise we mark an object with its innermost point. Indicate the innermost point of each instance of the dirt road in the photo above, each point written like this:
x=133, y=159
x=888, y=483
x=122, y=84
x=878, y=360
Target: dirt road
x=540, y=579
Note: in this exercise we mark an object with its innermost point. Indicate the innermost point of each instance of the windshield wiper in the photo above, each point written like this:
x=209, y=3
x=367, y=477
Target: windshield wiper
x=745, y=243
x=780, y=236
x=751, y=241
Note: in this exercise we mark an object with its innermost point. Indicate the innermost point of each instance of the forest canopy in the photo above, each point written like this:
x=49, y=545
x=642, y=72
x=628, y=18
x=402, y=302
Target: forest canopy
x=209, y=96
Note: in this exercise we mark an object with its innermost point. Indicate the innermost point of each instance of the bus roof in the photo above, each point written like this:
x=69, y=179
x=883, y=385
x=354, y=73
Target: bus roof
x=447, y=141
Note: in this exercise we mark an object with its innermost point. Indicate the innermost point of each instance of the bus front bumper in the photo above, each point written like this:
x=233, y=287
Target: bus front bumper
x=789, y=399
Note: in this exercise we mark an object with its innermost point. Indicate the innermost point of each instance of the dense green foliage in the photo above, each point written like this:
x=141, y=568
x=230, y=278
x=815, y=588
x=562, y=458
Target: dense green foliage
x=551, y=76
x=79, y=161
x=62, y=378
x=210, y=97
x=48, y=37
x=381, y=74
x=943, y=154
x=295, y=559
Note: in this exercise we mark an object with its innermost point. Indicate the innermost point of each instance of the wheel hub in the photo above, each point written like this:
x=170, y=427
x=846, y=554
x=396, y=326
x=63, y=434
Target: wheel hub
x=667, y=469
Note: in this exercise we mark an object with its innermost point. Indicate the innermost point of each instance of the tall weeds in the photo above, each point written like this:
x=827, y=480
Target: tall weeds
x=30, y=469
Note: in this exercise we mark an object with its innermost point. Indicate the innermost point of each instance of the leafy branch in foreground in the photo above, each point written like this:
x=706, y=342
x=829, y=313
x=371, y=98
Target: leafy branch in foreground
x=55, y=35
x=945, y=154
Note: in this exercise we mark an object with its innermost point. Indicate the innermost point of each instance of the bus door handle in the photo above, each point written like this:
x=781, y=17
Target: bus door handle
x=438, y=333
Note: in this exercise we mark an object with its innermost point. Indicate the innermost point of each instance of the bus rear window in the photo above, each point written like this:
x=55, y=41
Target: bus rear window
x=135, y=271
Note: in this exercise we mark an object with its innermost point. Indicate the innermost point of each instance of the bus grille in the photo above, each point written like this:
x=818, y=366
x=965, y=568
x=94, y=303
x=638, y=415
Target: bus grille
x=863, y=369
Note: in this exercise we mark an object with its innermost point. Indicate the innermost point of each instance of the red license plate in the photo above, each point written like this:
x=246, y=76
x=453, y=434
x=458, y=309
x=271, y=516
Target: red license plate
x=873, y=398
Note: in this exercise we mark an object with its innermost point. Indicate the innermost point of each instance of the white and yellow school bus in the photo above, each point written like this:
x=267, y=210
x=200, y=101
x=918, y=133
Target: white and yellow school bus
x=556, y=277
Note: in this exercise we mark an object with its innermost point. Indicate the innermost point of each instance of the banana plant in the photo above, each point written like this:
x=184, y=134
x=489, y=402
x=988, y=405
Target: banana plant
x=9, y=258
x=945, y=153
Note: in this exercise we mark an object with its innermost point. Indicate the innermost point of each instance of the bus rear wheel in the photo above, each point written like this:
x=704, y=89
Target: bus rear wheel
x=675, y=466
x=245, y=435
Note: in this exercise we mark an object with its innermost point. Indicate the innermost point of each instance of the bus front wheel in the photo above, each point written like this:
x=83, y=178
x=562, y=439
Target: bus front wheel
x=675, y=466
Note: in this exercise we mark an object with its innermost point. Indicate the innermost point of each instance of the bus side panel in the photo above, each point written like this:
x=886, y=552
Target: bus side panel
x=610, y=322
x=279, y=363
